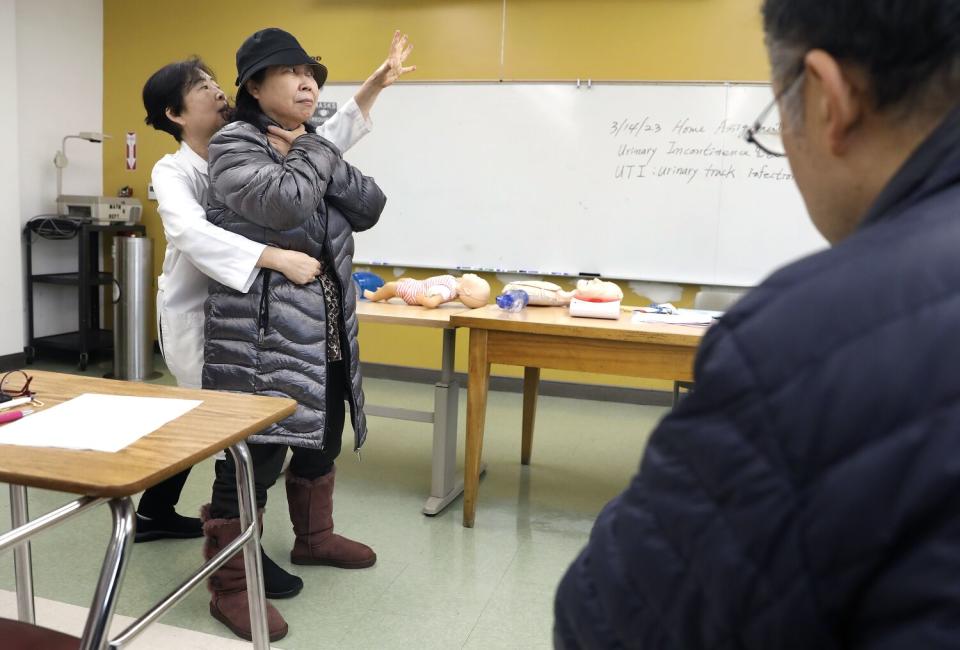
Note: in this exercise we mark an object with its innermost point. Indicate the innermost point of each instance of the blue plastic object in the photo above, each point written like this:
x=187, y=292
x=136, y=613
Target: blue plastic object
x=366, y=280
x=513, y=300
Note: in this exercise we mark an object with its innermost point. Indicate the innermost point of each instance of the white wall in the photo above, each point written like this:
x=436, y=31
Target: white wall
x=11, y=279
x=59, y=65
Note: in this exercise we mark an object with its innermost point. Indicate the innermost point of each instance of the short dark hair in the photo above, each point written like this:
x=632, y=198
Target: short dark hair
x=166, y=88
x=247, y=107
x=910, y=49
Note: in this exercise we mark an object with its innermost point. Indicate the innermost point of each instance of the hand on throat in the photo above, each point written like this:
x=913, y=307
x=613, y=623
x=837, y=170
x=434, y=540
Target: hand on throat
x=289, y=123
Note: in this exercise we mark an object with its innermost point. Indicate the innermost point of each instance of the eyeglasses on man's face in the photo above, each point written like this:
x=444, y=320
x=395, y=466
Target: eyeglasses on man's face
x=766, y=132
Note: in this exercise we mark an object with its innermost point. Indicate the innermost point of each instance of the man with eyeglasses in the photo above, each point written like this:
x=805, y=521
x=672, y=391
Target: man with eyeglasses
x=807, y=493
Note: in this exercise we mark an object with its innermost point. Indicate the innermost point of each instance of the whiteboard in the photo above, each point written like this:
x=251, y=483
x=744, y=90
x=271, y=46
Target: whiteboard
x=634, y=181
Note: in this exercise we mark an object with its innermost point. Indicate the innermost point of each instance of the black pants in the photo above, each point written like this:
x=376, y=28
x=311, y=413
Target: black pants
x=268, y=458
x=159, y=500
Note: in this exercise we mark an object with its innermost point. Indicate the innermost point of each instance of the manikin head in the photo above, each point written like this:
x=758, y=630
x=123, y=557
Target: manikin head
x=474, y=291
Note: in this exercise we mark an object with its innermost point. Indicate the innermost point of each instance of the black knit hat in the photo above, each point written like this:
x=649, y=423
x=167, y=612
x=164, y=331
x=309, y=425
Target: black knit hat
x=274, y=46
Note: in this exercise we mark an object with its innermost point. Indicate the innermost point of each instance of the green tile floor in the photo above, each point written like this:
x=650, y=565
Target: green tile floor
x=436, y=584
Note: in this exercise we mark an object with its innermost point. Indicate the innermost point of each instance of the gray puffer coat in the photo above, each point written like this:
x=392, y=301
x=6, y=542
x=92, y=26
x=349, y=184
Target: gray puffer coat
x=272, y=340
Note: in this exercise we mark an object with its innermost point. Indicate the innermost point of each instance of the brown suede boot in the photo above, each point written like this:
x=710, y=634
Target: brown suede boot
x=311, y=512
x=228, y=585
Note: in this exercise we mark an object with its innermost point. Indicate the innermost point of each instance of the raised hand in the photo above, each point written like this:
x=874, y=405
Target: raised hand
x=393, y=68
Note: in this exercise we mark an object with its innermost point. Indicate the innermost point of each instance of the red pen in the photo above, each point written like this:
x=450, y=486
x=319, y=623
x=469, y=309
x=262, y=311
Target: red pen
x=13, y=416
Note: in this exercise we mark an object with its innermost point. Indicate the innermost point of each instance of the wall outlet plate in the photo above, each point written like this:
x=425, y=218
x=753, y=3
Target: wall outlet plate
x=151, y=195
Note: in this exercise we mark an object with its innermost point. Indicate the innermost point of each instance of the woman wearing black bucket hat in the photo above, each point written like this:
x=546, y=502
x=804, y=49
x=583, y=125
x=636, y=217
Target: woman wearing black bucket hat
x=281, y=338
x=184, y=100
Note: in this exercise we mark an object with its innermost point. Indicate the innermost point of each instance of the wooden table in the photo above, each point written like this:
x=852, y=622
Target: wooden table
x=548, y=337
x=222, y=420
x=444, y=484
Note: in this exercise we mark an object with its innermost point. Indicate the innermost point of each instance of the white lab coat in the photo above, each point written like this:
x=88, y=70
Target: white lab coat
x=197, y=250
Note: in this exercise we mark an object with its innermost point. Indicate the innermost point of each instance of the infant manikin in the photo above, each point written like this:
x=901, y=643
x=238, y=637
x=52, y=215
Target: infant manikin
x=472, y=290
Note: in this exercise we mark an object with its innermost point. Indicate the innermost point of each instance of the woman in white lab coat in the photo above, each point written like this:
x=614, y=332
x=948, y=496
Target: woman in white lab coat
x=184, y=100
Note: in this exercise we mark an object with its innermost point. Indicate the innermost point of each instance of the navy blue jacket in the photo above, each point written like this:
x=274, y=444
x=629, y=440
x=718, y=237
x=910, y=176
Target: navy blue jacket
x=807, y=494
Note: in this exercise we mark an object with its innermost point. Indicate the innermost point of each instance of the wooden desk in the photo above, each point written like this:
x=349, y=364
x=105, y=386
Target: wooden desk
x=397, y=312
x=547, y=337
x=444, y=485
x=222, y=420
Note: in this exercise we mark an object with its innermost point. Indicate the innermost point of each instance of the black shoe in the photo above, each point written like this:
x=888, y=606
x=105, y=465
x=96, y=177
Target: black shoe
x=277, y=582
x=171, y=526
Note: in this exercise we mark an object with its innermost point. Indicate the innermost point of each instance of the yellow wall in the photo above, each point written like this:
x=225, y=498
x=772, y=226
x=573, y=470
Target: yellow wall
x=679, y=40
x=543, y=39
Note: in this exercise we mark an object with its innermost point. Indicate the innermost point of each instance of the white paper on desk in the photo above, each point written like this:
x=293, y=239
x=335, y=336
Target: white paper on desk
x=682, y=317
x=93, y=421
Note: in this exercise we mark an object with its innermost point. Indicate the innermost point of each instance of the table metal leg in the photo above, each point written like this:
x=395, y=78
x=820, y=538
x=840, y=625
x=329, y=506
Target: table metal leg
x=22, y=562
x=97, y=629
x=443, y=480
x=246, y=494
x=445, y=486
